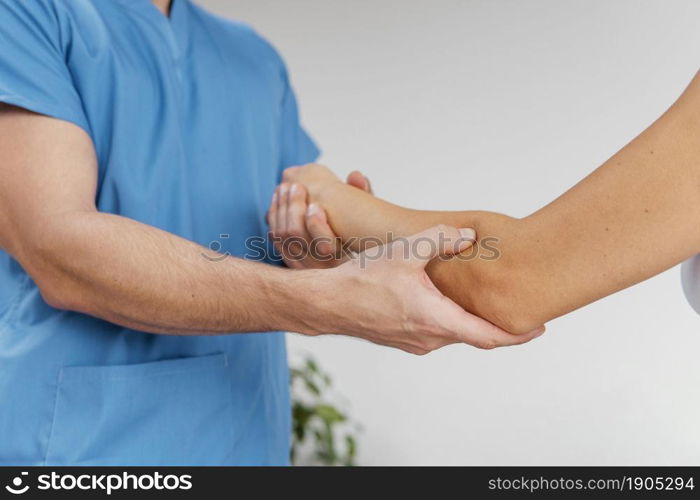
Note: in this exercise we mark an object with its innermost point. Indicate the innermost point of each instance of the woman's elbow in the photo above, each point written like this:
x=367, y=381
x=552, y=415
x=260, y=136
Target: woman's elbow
x=514, y=317
x=507, y=302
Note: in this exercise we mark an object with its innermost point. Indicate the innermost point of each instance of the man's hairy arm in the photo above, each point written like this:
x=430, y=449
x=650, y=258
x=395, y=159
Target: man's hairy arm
x=140, y=277
x=634, y=217
x=116, y=268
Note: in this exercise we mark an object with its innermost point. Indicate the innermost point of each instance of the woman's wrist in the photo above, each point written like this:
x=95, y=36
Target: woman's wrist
x=328, y=192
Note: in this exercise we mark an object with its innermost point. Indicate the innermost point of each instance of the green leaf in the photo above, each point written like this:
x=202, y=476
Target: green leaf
x=313, y=388
x=329, y=414
x=311, y=365
x=351, y=444
x=315, y=422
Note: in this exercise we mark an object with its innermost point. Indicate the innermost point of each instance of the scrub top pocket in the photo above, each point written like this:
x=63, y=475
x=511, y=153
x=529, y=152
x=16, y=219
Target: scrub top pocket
x=172, y=412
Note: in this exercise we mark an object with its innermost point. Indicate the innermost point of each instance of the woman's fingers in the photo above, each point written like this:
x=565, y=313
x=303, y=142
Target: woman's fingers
x=358, y=180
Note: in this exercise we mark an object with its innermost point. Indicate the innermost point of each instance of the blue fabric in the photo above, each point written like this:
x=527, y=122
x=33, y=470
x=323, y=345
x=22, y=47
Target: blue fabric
x=192, y=118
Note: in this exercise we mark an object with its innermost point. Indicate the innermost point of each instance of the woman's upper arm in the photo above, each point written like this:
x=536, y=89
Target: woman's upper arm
x=634, y=217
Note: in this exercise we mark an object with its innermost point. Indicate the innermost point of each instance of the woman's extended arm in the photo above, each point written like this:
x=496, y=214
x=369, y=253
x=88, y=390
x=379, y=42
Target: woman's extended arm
x=635, y=216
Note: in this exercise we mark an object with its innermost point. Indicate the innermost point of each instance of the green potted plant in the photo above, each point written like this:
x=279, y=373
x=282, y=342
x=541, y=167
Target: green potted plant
x=322, y=433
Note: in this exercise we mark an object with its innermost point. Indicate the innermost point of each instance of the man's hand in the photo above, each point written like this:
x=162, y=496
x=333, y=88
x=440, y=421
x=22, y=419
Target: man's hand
x=399, y=305
x=300, y=231
x=140, y=277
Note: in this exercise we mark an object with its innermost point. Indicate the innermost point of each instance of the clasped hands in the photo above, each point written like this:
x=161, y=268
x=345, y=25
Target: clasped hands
x=392, y=300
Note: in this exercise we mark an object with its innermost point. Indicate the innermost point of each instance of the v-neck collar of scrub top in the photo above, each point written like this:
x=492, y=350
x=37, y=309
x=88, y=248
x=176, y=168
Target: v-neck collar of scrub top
x=174, y=27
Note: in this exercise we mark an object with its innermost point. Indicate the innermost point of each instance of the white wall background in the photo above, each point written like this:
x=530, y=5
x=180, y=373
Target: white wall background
x=502, y=105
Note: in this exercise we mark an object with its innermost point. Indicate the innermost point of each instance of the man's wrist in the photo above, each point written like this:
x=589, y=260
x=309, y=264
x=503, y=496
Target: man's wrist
x=305, y=301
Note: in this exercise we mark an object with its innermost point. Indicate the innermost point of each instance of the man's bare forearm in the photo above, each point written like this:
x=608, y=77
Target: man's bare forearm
x=144, y=278
x=116, y=268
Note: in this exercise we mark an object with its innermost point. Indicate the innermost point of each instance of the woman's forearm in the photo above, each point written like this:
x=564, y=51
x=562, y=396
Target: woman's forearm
x=477, y=280
x=632, y=218
x=362, y=219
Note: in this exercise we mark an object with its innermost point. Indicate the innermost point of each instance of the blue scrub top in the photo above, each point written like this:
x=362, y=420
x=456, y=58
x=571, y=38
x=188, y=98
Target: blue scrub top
x=192, y=119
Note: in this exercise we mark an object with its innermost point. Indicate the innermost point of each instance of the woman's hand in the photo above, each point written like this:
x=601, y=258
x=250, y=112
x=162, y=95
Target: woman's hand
x=299, y=229
x=317, y=179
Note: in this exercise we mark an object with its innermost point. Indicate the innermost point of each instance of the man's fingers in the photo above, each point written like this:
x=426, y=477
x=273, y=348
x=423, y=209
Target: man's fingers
x=272, y=213
x=473, y=330
x=282, y=200
x=437, y=241
x=527, y=337
x=296, y=212
x=321, y=233
x=358, y=180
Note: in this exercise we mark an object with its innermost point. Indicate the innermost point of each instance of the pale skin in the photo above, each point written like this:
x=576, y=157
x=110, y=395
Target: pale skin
x=288, y=210
x=635, y=216
x=140, y=277
x=163, y=6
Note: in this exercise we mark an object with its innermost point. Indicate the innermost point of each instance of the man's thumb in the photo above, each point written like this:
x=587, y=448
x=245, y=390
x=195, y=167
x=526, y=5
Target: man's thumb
x=441, y=240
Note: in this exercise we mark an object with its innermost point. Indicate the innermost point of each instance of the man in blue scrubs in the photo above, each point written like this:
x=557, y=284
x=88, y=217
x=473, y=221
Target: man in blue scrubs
x=132, y=134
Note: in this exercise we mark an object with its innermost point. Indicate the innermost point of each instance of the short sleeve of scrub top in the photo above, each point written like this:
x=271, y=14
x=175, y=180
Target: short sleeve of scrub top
x=33, y=71
x=193, y=119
